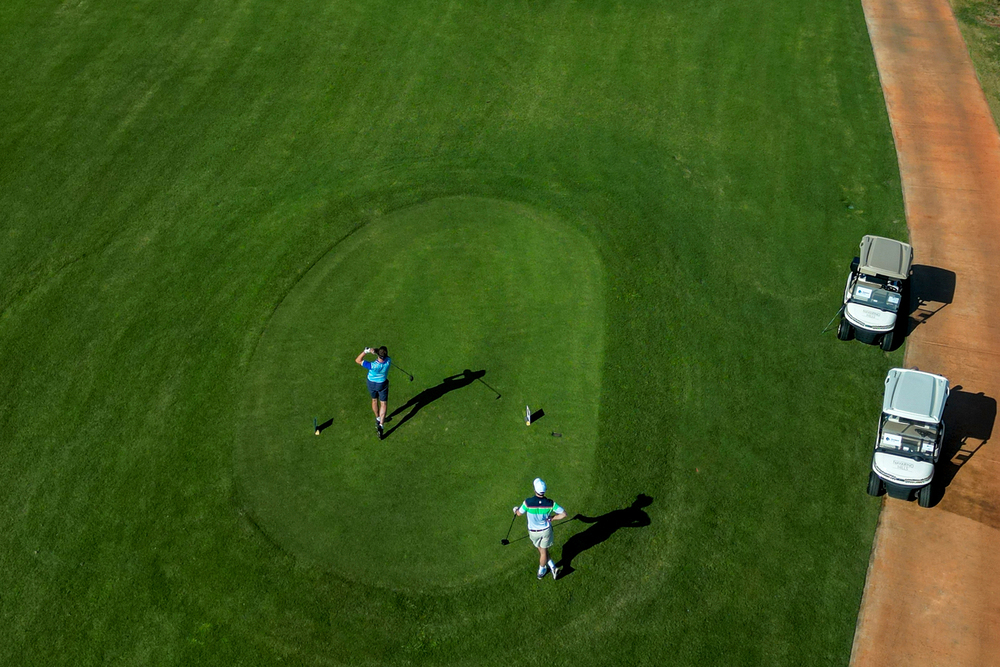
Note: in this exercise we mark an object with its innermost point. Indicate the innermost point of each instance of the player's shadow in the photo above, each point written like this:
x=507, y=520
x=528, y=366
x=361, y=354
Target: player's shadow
x=431, y=394
x=603, y=527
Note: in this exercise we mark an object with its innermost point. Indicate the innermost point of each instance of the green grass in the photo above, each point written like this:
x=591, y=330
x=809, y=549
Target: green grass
x=176, y=175
x=452, y=285
x=980, y=26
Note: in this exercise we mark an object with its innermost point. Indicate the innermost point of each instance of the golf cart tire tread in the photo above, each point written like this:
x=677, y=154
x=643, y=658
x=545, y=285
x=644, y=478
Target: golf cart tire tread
x=875, y=486
x=844, y=330
x=925, y=496
x=887, y=341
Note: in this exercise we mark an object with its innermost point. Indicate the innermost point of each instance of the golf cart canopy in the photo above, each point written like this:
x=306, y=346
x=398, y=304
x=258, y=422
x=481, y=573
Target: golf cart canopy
x=885, y=257
x=913, y=394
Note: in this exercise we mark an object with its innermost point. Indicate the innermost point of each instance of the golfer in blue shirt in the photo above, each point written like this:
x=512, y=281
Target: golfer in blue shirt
x=378, y=383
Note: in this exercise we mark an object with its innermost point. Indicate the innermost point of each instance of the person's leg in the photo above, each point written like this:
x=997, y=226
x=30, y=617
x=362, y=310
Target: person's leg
x=375, y=407
x=383, y=407
x=543, y=554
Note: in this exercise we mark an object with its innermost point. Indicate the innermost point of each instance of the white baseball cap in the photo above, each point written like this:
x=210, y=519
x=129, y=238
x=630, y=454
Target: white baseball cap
x=539, y=485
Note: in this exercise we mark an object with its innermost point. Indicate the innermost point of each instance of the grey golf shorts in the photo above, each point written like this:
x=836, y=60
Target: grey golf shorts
x=542, y=539
x=379, y=390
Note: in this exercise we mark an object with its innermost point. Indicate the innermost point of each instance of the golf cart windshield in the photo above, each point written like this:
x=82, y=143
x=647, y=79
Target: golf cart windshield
x=903, y=437
x=877, y=295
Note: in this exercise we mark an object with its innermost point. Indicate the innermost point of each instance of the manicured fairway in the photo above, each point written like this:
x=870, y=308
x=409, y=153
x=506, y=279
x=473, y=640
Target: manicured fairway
x=466, y=293
x=634, y=216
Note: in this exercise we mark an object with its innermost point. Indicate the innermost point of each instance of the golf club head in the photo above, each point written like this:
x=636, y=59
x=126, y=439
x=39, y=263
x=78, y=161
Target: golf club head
x=505, y=541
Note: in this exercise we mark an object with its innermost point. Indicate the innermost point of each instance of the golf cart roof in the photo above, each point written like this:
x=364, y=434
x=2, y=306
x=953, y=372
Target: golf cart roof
x=885, y=257
x=913, y=394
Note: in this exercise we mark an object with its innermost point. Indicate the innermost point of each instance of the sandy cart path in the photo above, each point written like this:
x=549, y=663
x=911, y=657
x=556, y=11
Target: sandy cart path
x=932, y=596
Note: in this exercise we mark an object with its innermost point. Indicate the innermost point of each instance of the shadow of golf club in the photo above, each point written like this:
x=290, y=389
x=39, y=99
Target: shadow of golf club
x=602, y=528
x=431, y=394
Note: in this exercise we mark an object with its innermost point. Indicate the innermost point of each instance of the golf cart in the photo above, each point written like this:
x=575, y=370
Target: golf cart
x=874, y=291
x=910, y=434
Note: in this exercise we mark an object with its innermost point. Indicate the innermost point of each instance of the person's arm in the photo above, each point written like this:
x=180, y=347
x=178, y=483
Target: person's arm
x=360, y=361
x=560, y=513
x=519, y=509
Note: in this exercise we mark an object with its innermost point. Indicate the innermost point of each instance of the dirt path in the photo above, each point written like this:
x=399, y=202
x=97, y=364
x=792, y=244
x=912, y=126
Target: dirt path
x=932, y=596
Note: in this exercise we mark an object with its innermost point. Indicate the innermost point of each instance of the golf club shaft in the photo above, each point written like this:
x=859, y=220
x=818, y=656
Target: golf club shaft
x=489, y=387
x=511, y=527
x=832, y=319
x=555, y=524
x=400, y=369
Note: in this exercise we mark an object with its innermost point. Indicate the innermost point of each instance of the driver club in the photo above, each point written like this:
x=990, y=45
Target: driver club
x=506, y=541
x=402, y=371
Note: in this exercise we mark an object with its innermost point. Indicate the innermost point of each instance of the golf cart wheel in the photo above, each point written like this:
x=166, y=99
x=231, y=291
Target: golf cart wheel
x=875, y=487
x=844, y=330
x=887, y=341
x=924, y=496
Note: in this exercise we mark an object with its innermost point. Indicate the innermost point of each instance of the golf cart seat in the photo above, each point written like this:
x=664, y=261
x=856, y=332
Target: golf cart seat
x=884, y=257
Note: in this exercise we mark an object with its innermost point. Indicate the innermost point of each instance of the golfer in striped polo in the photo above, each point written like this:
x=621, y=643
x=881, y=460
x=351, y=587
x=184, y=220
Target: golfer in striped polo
x=541, y=512
x=378, y=383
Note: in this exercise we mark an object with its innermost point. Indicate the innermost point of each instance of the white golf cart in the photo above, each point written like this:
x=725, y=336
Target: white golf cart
x=910, y=434
x=874, y=291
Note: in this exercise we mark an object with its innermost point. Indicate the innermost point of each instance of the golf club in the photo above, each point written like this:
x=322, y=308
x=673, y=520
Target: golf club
x=554, y=526
x=506, y=541
x=402, y=371
x=831, y=321
x=489, y=387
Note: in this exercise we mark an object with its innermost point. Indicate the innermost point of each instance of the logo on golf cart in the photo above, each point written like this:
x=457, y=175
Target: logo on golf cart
x=903, y=465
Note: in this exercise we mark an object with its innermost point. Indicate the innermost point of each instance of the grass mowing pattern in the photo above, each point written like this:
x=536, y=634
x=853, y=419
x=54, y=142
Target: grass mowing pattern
x=454, y=285
x=170, y=172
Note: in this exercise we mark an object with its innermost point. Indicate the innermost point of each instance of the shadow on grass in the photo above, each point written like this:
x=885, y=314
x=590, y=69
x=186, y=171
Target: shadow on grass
x=431, y=394
x=602, y=528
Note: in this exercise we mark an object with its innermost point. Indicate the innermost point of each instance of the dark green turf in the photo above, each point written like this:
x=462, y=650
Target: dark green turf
x=171, y=171
x=486, y=293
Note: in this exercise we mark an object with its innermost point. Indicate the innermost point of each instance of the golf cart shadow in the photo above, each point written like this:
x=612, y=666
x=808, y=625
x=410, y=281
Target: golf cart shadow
x=431, y=394
x=931, y=289
x=602, y=527
x=969, y=425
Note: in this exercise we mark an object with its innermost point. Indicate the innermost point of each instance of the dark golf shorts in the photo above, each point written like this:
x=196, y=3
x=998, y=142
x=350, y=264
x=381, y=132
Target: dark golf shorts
x=379, y=390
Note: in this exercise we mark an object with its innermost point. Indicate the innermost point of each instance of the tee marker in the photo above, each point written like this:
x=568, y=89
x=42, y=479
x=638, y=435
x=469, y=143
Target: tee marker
x=527, y=416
